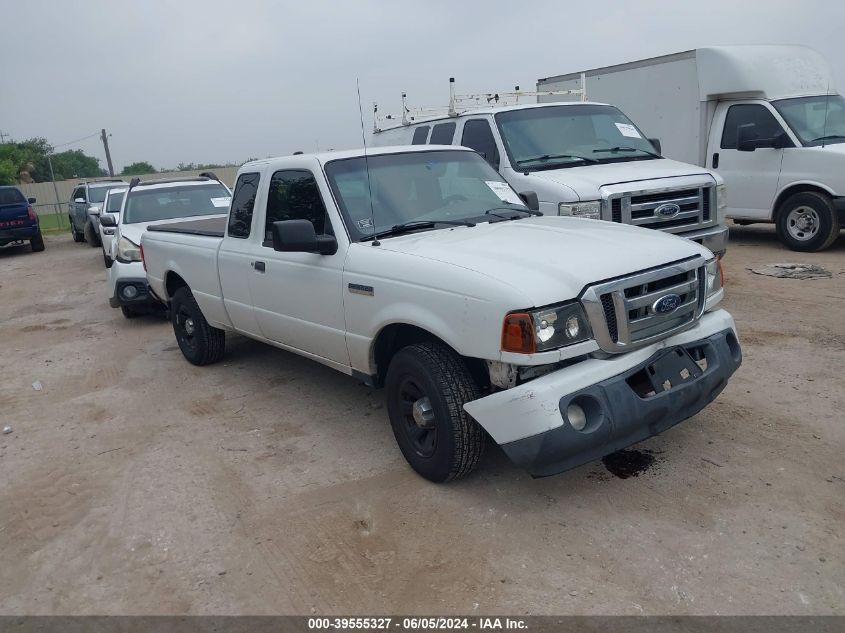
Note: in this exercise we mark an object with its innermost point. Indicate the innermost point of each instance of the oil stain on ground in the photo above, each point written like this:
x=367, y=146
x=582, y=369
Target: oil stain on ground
x=629, y=463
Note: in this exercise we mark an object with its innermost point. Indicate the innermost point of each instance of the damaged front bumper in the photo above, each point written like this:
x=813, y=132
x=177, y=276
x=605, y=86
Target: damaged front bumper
x=626, y=398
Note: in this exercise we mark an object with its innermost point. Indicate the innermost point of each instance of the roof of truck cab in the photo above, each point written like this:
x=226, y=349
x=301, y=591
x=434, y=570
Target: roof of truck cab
x=325, y=157
x=174, y=182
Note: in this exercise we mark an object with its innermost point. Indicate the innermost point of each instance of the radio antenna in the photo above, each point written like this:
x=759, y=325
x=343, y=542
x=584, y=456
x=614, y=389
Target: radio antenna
x=367, y=165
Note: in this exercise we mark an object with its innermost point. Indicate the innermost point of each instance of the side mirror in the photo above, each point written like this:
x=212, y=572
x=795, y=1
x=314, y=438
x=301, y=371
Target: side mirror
x=530, y=199
x=31, y=200
x=107, y=220
x=79, y=200
x=746, y=137
x=656, y=143
x=298, y=236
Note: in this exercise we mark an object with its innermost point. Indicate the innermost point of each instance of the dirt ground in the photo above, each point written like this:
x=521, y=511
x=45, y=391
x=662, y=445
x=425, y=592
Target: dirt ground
x=135, y=483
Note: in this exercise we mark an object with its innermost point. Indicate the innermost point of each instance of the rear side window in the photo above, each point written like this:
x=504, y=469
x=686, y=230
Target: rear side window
x=115, y=200
x=420, y=135
x=478, y=135
x=11, y=196
x=243, y=201
x=442, y=134
x=294, y=195
x=764, y=123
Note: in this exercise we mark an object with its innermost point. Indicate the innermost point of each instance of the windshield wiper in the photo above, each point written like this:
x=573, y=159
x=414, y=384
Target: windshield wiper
x=546, y=157
x=829, y=137
x=398, y=229
x=505, y=217
x=626, y=149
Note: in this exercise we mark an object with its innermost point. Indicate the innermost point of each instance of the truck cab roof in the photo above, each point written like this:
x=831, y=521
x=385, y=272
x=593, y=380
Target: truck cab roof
x=325, y=157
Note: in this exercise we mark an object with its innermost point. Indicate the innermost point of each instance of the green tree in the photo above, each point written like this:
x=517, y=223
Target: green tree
x=138, y=169
x=29, y=160
x=8, y=172
x=74, y=164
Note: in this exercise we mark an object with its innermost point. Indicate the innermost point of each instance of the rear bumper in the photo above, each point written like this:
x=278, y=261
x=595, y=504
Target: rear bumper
x=530, y=421
x=714, y=238
x=13, y=234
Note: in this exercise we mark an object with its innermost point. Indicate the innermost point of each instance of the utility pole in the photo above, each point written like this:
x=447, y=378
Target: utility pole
x=55, y=191
x=3, y=136
x=105, y=140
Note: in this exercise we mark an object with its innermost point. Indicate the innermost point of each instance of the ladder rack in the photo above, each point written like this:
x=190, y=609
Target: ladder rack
x=460, y=104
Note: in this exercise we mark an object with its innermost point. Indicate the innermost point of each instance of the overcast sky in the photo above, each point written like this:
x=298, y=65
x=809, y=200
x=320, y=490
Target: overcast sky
x=212, y=81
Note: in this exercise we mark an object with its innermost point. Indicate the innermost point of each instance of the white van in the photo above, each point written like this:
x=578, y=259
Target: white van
x=586, y=160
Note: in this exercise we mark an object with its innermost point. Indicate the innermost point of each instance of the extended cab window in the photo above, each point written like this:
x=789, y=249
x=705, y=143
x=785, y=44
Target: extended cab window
x=294, y=195
x=420, y=134
x=243, y=201
x=764, y=122
x=478, y=135
x=442, y=134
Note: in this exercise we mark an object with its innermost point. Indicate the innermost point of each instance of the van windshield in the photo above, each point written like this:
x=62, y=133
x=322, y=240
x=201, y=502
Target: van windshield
x=439, y=185
x=177, y=201
x=552, y=137
x=817, y=120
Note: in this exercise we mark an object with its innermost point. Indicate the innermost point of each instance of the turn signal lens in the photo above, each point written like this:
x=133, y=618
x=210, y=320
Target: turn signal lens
x=518, y=333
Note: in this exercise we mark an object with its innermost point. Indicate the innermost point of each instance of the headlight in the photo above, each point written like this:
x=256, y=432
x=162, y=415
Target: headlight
x=590, y=210
x=715, y=282
x=545, y=329
x=128, y=251
x=721, y=202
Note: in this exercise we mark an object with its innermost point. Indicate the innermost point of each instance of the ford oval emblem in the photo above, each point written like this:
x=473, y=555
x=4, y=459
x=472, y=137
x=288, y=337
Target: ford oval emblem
x=668, y=210
x=667, y=304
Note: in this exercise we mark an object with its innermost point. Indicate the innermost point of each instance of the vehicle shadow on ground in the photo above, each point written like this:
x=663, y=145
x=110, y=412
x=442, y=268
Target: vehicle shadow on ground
x=17, y=250
x=765, y=235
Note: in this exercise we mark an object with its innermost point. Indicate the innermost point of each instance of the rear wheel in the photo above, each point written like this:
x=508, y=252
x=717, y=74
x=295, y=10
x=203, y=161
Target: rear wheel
x=37, y=243
x=201, y=344
x=807, y=222
x=91, y=235
x=426, y=387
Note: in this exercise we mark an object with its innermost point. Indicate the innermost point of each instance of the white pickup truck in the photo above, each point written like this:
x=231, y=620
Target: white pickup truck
x=419, y=269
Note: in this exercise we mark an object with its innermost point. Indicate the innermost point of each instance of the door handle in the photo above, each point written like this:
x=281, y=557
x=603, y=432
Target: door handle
x=259, y=266
x=715, y=160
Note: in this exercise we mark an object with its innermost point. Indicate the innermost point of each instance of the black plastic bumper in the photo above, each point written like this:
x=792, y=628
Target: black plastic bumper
x=10, y=234
x=618, y=417
x=142, y=295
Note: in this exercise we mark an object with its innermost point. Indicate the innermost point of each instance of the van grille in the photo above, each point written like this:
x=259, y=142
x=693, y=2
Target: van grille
x=693, y=208
x=623, y=312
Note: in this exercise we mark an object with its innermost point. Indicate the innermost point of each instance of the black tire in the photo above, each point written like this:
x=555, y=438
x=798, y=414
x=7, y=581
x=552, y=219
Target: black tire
x=37, y=243
x=108, y=262
x=77, y=236
x=130, y=312
x=91, y=235
x=807, y=222
x=453, y=444
x=200, y=343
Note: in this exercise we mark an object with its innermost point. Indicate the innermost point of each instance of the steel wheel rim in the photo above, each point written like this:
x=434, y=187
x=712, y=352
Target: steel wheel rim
x=417, y=417
x=803, y=223
x=186, y=328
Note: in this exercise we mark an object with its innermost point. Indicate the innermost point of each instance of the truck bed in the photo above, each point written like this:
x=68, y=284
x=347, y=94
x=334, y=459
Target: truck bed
x=209, y=227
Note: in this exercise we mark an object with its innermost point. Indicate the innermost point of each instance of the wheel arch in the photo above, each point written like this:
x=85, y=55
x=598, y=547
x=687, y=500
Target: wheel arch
x=798, y=187
x=394, y=336
x=172, y=282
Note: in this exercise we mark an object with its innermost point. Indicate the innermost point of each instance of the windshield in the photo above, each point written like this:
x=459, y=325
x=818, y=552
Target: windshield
x=818, y=120
x=178, y=201
x=570, y=136
x=97, y=194
x=435, y=186
x=115, y=200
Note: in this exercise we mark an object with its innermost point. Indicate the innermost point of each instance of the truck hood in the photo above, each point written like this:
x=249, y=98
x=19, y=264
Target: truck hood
x=547, y=259
x=134, y=231
x=587, y=180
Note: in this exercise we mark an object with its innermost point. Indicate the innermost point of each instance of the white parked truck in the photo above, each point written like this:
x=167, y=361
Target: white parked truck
x=583, y=159
x=765, y=118
x=421, y=270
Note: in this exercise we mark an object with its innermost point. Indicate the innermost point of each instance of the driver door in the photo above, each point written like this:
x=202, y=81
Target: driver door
x=751, y=177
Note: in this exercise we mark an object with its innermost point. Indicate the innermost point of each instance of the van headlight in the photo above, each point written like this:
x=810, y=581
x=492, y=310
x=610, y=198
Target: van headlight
x=545, y=329
x=127, y=251
x=590, y=210
x=714, y=283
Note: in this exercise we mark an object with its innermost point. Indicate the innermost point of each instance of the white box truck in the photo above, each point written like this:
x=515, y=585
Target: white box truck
x=766, y=118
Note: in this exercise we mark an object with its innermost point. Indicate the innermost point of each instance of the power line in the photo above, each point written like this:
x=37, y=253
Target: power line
x=84, y=138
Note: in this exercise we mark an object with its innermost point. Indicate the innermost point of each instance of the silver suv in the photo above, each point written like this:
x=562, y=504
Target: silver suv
x=84, y=207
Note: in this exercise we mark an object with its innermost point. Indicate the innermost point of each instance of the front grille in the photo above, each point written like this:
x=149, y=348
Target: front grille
x=640, y=209
x=623, y=312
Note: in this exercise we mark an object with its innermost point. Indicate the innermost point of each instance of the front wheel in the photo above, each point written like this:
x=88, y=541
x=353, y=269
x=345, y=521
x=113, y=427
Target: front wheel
x=426, y=387
x=807, y=222
x=201, y=344
x=77, y=236
x=107, y=261
x=37, y=243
